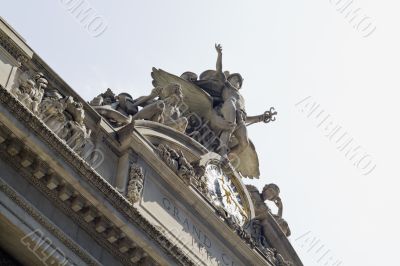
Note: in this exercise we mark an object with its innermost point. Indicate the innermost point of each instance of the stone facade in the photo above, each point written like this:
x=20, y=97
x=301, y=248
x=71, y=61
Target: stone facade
x=118, y=181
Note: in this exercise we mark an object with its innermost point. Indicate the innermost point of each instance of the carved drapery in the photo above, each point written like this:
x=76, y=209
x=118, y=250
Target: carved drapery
x=176, y=160
x=62, y=114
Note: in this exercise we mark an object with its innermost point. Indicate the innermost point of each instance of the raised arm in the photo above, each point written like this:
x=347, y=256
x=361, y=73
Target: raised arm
x=218, y=47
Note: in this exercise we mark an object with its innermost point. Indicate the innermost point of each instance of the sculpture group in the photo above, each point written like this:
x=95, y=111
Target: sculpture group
x=209, y=108
x=62, y=114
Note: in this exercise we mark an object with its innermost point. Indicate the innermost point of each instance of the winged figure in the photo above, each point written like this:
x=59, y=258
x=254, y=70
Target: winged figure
x=214, y=101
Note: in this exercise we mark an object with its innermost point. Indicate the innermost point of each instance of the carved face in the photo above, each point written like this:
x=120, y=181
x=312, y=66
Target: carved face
x=270, y=193
x=235, y=81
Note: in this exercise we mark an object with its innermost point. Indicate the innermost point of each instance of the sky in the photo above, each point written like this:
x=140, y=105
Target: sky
x=340, y=56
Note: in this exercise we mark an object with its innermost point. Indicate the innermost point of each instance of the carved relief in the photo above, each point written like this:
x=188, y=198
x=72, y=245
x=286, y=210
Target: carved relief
x=135, y=185
x=30, y=90
x=177, y=162
x=200, y=180
x=65, y=117
x=62, y=114
x=270, y=192
x=81, y=167
x=277, y=258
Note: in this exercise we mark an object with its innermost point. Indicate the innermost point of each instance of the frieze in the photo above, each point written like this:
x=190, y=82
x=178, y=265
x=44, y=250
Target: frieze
x=12, y=48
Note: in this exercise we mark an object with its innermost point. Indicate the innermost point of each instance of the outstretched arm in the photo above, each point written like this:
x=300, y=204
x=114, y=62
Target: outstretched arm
x=266, y=117
x=218, y=47
x=254, y=119
x=141, y=100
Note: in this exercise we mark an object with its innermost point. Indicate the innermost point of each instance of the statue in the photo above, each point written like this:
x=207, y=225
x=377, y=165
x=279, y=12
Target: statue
x=277, y=258
x=31, y=90
x=231, y=107
x=214, y=101
x=65, y=117
x=165, y=109
x=162, y=105
x=117, y=110
x=51, y=111
x=270, y=192
x=78, y=134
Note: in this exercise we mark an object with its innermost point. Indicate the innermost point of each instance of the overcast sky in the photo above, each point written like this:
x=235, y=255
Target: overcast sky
x=286, y=51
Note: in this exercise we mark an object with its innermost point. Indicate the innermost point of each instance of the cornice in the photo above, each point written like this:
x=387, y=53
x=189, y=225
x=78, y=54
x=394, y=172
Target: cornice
x=119, y=202
x=35, y=214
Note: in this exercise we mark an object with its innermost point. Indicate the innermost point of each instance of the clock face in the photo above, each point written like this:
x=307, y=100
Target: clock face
x=224, y=193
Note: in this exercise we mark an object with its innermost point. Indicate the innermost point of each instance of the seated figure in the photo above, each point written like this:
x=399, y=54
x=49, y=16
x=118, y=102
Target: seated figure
x=162, y=105
x=164, y=109
x=271, y=192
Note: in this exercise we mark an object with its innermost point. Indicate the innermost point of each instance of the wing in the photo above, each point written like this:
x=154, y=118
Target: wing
x=248, y=164
x=196, y=99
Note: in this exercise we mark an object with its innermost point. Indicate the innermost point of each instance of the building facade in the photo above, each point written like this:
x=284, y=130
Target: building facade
x=123, y=181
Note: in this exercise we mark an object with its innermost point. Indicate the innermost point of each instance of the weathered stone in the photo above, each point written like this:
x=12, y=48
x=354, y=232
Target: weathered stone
x=77, y=204
x=14, y=148
x=89, y=214
x=53, y=182
x=101, y=225
x=65, y=193
x=124, y=245
x=39, y=170
x=136, y=255
x=27, y=159
x=135, y=184
x=112, y=235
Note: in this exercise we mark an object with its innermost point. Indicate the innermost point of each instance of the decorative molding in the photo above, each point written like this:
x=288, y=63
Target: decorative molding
x=54, y=189
x=176, y=160
x=135, y=184
x=84, y=169
x=34, y=213
x=12, y=48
